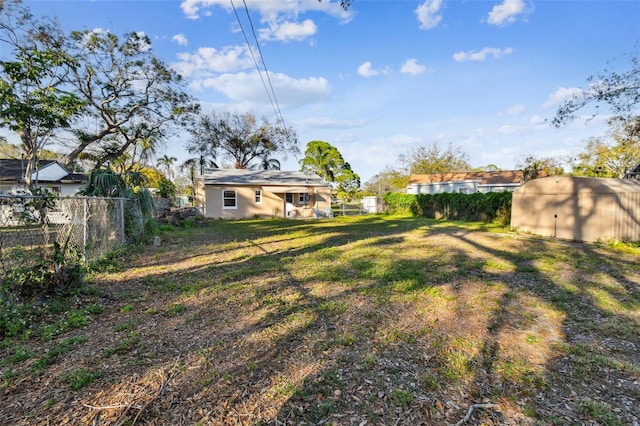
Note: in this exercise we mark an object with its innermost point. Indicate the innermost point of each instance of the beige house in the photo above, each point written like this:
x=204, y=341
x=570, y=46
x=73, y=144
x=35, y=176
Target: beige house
x=465, y=182
x=239, y=193
x=578, y=208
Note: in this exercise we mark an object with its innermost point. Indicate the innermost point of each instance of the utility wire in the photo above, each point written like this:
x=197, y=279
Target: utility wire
x=270, y=92
x=253, y=31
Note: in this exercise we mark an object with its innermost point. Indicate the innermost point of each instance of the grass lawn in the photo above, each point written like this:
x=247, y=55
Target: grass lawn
x=376, y=320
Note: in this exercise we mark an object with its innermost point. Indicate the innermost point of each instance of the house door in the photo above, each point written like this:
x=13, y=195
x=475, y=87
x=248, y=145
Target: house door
x=289, y=208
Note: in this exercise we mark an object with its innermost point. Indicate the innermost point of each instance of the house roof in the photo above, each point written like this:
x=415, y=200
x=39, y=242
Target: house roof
x=485, y=178
x=578, y=185
x=13, y=171
x=261, y=177
x=633, y=173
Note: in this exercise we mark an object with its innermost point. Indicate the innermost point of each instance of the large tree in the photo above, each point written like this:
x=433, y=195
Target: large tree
x=348, y=183
x=611, y=156
x=388, y=180
x=241, y=139
x=617, y=90
x=323, y=159
x=134, y=100
x=113, y=96
x=429, y=159
x=326, y=161
x=535, y=167
x=35, y=101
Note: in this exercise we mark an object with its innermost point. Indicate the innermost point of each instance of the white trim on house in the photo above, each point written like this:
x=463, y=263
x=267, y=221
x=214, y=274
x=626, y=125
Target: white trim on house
x=225, y=198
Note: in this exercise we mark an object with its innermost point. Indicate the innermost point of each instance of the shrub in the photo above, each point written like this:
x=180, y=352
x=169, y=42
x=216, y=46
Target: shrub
x=491, y=206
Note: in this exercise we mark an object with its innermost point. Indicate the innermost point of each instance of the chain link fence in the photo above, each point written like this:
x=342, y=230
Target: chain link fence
x=32, y=227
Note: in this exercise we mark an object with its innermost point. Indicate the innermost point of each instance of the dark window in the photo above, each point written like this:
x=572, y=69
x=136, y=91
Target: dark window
x=229, y=199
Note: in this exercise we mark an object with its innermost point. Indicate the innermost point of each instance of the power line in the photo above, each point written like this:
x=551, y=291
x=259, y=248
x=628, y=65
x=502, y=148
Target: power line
x=270, y=91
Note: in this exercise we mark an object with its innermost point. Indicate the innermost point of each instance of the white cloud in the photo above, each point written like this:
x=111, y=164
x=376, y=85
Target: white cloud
x=288, y=31
x=537, y=120
x=508, y=130
x=269, y=10
x=248, y=87
x=143, y=43
x=180, y=39
x=330, y=123
x=411, y=66
x=506, y=12
x=472, y=55
x=209, y=59
x=192, y=8
x=86, y=38
x=561, y=95
x=366, y=70
x=429, y=14
x=517, y=109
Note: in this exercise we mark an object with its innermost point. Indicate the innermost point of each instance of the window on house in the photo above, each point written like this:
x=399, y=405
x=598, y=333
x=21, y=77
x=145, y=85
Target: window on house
x=229, y=199
x=303, y=199
x=288, y=198
x=258, y=197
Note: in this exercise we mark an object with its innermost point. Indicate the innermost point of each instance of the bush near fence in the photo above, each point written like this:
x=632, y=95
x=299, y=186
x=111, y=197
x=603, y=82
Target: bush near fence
x=44, y=240
x=490, y=206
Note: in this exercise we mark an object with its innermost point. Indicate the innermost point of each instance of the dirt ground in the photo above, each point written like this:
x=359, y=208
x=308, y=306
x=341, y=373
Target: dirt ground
x=365, y=321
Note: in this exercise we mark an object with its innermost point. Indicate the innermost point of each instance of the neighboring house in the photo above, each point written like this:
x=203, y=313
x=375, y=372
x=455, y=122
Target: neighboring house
x=633, y=173
x=465, y=182
x=240, y=193
x=49, y=174
x=579, y=208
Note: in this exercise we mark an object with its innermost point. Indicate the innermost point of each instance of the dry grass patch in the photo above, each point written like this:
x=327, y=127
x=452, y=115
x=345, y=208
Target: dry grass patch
x=369, y=320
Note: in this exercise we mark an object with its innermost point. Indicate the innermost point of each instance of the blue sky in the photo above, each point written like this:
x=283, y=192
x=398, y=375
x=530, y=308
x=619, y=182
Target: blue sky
x=387, y=76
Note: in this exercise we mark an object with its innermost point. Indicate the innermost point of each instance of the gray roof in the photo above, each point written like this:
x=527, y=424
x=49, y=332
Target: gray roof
x=13, y=171
x=261, y=177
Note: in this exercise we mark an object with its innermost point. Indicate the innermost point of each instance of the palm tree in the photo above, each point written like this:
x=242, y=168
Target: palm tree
x=195, y=166
x=106, y=182
x=166, y=162
x=268, y=163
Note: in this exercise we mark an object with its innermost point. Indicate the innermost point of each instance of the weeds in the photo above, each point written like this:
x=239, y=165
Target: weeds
x=51, y=354
x=80, y=378
x=350, y=320
x=74, y=319
x=600, y=412
x=125, y=345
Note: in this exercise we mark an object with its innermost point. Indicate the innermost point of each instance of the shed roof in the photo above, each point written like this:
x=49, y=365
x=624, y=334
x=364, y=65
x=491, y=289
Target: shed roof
x=578, y=185
x=261, y=177
x=485, y=178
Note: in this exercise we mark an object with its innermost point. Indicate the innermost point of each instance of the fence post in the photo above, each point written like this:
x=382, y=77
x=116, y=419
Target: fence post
x=122, y=234
x=84, y=233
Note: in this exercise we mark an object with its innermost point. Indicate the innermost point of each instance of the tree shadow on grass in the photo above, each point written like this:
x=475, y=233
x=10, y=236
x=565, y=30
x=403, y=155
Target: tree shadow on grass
x=589, y=371
x=392, y=321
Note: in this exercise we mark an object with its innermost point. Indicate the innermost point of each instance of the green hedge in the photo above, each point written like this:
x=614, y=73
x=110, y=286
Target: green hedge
x=491, y=206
